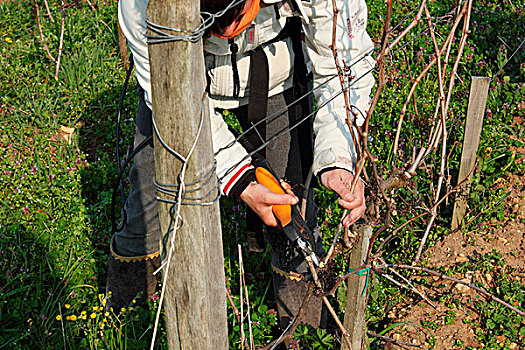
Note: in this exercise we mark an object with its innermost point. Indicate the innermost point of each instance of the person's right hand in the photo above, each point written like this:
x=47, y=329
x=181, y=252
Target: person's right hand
x=261, y=200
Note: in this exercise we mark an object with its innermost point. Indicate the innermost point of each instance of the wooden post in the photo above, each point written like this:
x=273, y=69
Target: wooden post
x=479, y=89
x=124, y=57
x=355, y=310
x=195, y=301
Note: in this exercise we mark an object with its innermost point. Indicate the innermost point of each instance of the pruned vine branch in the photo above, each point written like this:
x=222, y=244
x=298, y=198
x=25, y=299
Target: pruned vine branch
x=43, y=40
x=455, y=280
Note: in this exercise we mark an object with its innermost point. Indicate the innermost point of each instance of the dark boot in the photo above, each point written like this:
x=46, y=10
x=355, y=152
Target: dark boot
x=130, y=278
x=289, y=271
x=290, y=290
x=254, y=232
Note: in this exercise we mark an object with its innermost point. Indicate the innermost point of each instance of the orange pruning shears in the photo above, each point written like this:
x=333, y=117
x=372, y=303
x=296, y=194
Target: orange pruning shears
x=289, y=217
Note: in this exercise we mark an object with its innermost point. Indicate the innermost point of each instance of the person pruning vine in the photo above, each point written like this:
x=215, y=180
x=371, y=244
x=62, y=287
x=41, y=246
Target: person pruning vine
x=261, y=57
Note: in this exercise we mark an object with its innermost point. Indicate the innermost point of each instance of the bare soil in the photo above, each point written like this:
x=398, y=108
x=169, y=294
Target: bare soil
x=456, y=249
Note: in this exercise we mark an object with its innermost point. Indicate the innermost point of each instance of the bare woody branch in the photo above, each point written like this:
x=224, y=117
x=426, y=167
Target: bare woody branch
x=42, y=33
x=62, y=30
x=455, y=280
x=446, y=104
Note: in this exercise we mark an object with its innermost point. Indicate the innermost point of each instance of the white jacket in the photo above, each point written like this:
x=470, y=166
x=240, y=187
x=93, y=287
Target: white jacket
x=333, y=142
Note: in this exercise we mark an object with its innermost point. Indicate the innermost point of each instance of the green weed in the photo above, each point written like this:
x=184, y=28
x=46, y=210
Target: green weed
x=55, y=195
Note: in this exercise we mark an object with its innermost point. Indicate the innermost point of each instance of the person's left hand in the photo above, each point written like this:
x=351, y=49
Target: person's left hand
x=340, y=181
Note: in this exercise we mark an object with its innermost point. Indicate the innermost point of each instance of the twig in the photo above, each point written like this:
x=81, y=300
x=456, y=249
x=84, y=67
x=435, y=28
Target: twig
x=328, y=255
x=342, y=278
x=235, y=310
x=328, y=305
x=444, y=111
x=387, y=239
x=381, y=63
x=446, y=195
x=408, y=28
x=340, y=71
x=243, y=284
x=243, y=339
x=306, y=193
x=409, y=287
x=344, y=333
x=441, y=275
x=62, y=29
x=420, y=76
x=288, y=333
x=49, y=12
x=42, y=33
x=90, y=5
x=392, y=340
x=62, y=324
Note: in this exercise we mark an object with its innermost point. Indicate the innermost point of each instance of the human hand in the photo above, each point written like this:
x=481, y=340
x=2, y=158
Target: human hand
x=261, y=200
x=340, y=181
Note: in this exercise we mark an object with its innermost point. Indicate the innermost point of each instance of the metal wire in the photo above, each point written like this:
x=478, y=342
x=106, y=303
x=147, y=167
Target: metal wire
x=176, y=217
x=272, y=117
x=290, y=128
x=193, y=35
x=507, y=61
x=173, y=190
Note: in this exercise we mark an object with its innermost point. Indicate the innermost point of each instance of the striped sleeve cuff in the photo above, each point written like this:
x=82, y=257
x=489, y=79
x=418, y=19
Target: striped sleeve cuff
x=239, y=181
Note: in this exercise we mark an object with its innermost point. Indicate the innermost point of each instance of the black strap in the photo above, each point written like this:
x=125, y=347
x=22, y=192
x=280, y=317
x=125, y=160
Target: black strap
x=258, y=105
x=301, y=76
x=234, y=48
x=258, y=99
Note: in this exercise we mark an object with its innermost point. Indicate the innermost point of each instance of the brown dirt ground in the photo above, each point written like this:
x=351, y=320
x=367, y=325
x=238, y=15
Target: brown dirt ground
x=455, y=249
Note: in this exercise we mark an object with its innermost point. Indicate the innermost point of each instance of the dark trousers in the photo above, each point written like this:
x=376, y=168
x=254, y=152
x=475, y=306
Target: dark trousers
x=290, y=156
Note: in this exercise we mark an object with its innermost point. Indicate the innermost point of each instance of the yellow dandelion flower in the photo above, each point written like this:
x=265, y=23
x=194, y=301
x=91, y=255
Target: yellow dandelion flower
x=130, y=308
x=134, y=301
x=67, y=306
x=123, y=309
x=137, y=316
x=58, y=318
x=68, y=318
x=84, y=317
x=9, y=40
x=73, y=318
x=95, y=308
x=93, y=315
x=106, y=314
x=104, y=320
x=83, y=312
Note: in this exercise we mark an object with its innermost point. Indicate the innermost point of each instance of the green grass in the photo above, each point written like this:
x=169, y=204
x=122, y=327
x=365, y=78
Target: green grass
x=55, y=196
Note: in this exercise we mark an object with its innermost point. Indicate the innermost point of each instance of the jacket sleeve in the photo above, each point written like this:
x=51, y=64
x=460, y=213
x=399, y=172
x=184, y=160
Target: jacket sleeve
x=234, y=169
x=334, y=145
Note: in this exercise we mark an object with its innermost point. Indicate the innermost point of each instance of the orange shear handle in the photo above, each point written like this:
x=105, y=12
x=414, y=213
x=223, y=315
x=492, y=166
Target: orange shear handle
x=283, y=212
